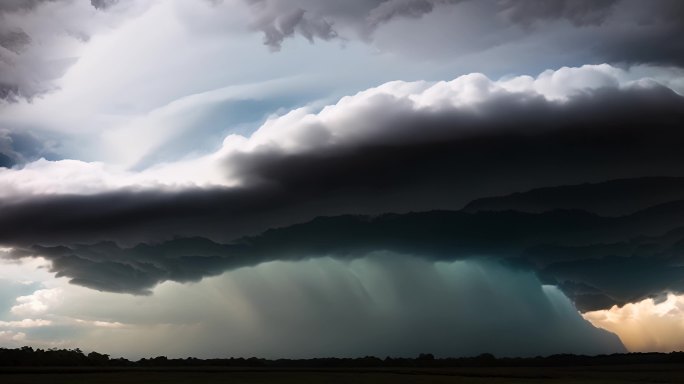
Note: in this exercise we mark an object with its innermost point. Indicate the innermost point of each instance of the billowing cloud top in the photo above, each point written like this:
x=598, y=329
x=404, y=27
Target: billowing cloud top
x=399, y=147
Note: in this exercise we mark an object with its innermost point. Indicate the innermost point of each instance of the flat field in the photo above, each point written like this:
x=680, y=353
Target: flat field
x=642, y=373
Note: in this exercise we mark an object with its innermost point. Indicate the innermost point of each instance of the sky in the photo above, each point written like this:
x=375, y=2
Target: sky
x=307, y=178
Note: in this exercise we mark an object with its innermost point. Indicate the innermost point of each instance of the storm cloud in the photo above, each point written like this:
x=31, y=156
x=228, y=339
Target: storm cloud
x=397, y=148
x=406, y=147
x=573, y=249
x=319, y=177
x=617, y=31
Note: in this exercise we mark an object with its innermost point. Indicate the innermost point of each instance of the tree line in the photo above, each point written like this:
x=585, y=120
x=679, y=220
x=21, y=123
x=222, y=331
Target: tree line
x=30, y=357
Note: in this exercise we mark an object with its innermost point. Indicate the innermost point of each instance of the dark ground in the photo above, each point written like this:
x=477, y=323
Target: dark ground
x=635, y=373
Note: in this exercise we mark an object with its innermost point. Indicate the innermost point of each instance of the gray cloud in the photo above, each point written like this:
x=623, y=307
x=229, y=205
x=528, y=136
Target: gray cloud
x=616, y=31
x=14, y=40
x=20, y=5
x=316, y=19
x=578, y=12
x=612, y=198
x=108, y=267
x=509, y=142
x=503, y=146
x=103, y=4
x=594, y=259
x=332, y=307
x=389, y=9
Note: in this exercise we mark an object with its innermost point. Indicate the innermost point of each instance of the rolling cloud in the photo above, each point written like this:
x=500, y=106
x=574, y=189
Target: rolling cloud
x=572, y=249
x=325, y=307
x=578, y=12
x=397, y=148
x=405, y=147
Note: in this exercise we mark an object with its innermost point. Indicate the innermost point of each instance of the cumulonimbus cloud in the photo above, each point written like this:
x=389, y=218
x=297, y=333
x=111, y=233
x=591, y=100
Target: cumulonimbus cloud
x=405, y=147
x=396, y=148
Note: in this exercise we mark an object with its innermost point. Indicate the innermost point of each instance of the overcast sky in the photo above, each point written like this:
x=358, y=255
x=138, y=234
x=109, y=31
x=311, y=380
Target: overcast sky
x=324, y=178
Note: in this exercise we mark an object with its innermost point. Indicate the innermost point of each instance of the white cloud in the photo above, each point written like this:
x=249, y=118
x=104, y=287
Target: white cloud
x=646, y=325
x=362, y=118
x=37, y=303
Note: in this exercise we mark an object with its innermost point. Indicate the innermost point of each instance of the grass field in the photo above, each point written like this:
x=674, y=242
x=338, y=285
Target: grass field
x=669, y=373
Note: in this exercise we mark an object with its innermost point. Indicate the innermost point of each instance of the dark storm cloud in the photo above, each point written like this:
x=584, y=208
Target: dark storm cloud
x=579, y=12
x=553, y=34
x=279, y=25
x=389, y=9
x=612, y=198
x=108, y=267
x=598, y=261
x=643, y=32
x=620, y=31
x=507, y=144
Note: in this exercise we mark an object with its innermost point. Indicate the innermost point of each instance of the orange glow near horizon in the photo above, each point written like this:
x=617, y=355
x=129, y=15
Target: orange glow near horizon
x=645, y=326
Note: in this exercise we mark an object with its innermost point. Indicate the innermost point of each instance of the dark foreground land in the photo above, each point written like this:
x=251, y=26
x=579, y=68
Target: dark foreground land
x=53, y=366
x=659, y=373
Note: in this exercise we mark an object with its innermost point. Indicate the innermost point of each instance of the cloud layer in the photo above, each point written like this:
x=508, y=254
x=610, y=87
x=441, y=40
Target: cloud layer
x=233, y=189
x=396, y=148
x=614, y=30
x=399, y=147
x=648, y=325
x=41, y=40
